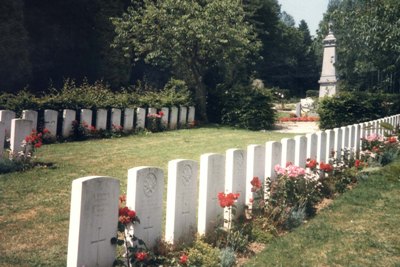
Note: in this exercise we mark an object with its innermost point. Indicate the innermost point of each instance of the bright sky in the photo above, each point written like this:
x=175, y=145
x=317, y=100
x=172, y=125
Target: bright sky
x=309, y=10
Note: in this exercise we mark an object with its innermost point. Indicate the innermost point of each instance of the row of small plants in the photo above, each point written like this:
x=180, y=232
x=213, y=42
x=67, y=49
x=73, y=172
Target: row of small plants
x=277, y=206
x=301, y=119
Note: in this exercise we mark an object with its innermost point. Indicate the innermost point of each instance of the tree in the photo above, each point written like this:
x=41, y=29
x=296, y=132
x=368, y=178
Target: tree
x=189, y=37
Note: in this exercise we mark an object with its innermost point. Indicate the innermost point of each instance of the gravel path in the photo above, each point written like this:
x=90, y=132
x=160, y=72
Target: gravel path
x=297, y=127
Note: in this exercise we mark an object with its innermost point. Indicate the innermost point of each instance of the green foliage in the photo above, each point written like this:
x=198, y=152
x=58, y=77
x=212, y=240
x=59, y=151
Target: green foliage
x=247, y=107
x=312, y=93
x=350, y=108
x=22, y=100
x=203, y=254
x=7, y=165
x=228, y=257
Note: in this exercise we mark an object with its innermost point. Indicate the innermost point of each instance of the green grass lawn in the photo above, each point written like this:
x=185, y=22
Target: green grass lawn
x=360, y=228
x=34, y=205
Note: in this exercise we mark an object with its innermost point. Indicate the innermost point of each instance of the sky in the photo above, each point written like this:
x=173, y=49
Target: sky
x=309, y=10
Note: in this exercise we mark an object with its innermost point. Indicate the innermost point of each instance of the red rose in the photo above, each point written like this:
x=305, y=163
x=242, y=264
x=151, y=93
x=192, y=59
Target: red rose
x=141, y=256
x=256, y=183
x=325, y=167
x=183, y=259
x=312, y=163
x=131, y=214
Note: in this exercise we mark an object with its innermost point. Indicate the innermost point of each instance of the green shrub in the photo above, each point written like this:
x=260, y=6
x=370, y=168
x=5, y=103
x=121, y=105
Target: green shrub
x=247, y=107
x=17, y=103
x=312, y=93
x=350, y=108
x=203, y=254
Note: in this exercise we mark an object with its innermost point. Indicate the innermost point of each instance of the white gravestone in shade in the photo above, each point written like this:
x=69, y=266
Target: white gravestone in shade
x=321, y=147
x=101, y=119
x=32, y=116
x=129, y=115
x=2, y=138
x=86, y=117
x=235, y=179
x=115, y=118
x=140, y=118
x=312, y=145
x=288, y=150
x=50, y=122
x=93, y=221
x=165, y=117
x=351, y=140
x=273, y=155
x=191, y=114
x=151, y=111
x=357, y=139
x=330, y=144
x=345, y=139
x=173, y=118
x=182, y=116
x=298, y=110
x=338, y=143
x=182, y=195
x=255, y=167
x=300, y=157
x=20, y=129
x=212, y=182
x=6, y=116
x=145, y=196
x=69, y=116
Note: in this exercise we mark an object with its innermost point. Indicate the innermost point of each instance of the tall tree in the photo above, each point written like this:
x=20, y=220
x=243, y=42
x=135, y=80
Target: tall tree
x=189, y=37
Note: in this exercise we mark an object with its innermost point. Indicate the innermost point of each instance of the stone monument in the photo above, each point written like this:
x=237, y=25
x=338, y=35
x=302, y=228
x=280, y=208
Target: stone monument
x=328, y=80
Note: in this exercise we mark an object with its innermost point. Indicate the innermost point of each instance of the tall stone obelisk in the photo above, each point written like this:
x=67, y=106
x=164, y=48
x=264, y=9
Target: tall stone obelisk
x=328, y=80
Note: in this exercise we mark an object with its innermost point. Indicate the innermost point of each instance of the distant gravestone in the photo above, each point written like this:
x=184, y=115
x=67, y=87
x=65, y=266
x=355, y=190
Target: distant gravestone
x=330, y=144
x=273, y=157
x=182, y=116
x=352, y=139
x=321, y=147
x=145, y=196
x=173, y=118
x=255, y=167
x=6, y=116
x=300, y=156
x=152, y=111
x=140, y=118
x=312, y=145
x=181, y=201
x=20, y=129
x=115, y=118
x=2, y=138
x=338, y=143
x=212, y=182
x=345, y=137
x=32, y=116
x=86, y=117
x=69, y=116
x=288, y=151
x=50, y=122
x=235, y=178
x=129, y=115
x=357, y=139
x=165, y=117
x=101, y=119
x=191, y=114
x=298, y=110
x=93, y=221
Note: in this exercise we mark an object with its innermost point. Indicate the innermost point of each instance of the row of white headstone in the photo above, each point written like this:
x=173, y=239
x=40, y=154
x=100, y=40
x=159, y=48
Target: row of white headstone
x=18, y=129
x=94, y=200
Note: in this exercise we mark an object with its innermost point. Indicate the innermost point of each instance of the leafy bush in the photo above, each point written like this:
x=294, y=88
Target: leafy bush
x=17, y=103
x=7, y=165
x=247, y=107
x=312, y=93
x=349, y=108
x=203, y=254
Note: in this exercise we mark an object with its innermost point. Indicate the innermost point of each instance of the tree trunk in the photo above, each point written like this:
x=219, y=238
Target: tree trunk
x=200, y=93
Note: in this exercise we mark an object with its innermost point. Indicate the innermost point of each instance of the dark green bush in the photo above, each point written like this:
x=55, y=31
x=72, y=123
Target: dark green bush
x=247, y=107
x=17, y=103
x=312, y=93
x=348, y=108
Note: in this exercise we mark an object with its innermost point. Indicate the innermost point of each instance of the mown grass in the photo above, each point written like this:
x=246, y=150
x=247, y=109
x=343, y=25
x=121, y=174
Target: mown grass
x=34, y=205
x=360, y=228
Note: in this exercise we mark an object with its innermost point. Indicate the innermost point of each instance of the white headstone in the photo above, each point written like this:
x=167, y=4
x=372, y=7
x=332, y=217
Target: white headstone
x=235, y=178
x=330, y=144
x=145, y=196
x=165, y=117
x=93, y=221
x=345, y=137
x=288, y=151
x=357, y=139
x=182, y=195
x=338, y=143
x=312, y=145
x=298, y=110
x=6, y=116
x=86, y=117
x=212, y=182
x=300, y=157
x=32, y=116
x=191, y=114
x=101, y=119
x=173, y=118
x=20, y=129
x=352, y=139
x=151, y=111
x=140, y=118
x=115, y=118
x=273, y=155
x=255, y=167
x=50, y=122
x=321, y=147
x=182, y=116
x=129, y=115
x=2, y=138
x=69, y=116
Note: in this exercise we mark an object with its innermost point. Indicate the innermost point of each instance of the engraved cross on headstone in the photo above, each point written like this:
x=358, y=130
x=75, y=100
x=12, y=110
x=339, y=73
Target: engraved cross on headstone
x=97, y=243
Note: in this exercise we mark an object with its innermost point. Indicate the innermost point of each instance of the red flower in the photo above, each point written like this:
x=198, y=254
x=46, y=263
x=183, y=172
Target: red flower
x=183, y=259
x=392, y=139
x=122, y=198
x=256, y=183
x=141, y=256
x=311, y=163
x=45, y=131
x=161, y=113
x=227, y=200
x=325, y=167
x=39, y=144
x=132, y=214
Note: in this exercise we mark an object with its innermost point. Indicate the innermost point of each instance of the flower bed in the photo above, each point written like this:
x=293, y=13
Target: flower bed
x=298, y=119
